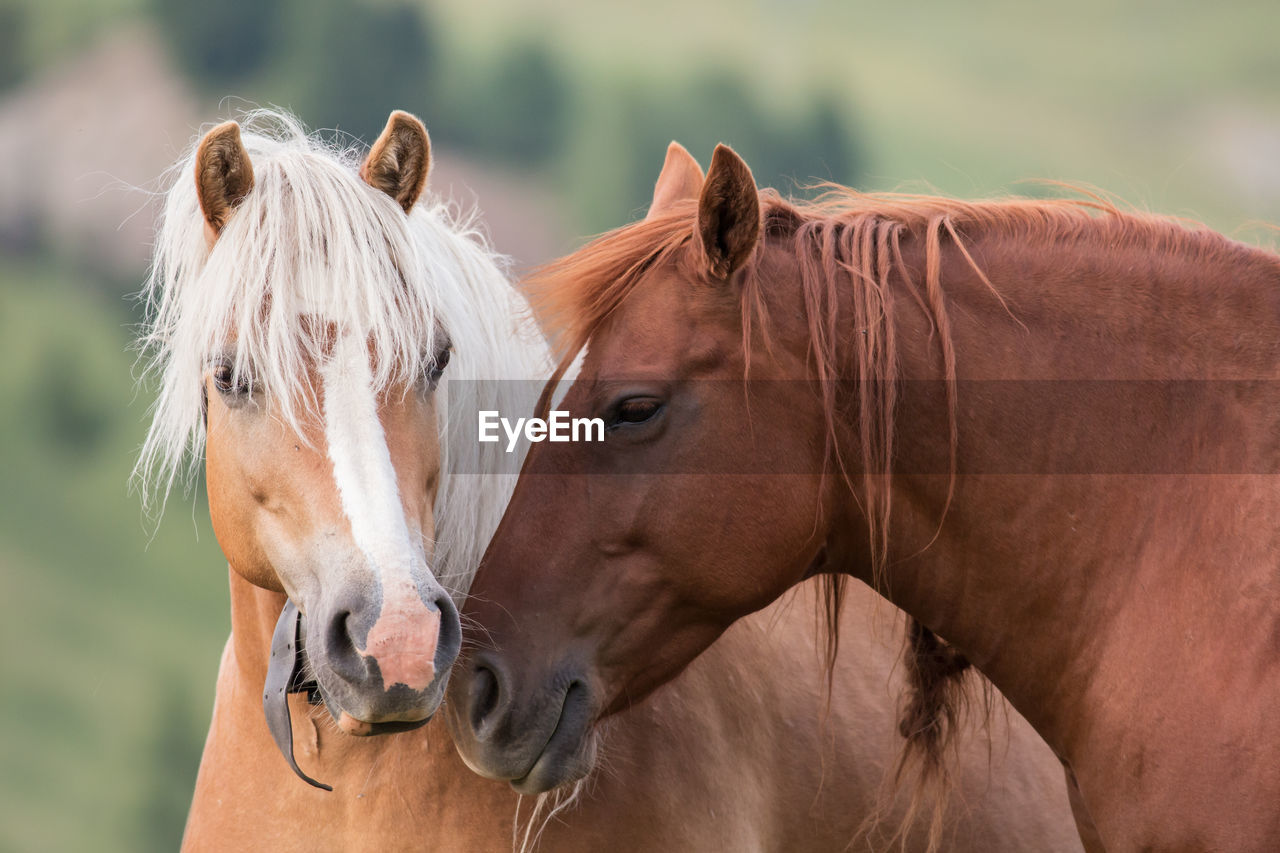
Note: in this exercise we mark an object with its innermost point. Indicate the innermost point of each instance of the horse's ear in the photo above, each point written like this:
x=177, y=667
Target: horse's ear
x=728, y=213
x=399, y=161
x=681, y=179
x=224, y=176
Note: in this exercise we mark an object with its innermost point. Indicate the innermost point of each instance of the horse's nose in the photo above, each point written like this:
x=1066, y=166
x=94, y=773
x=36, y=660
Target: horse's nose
x=486, y=689
x=408, y=643
x=532, y=729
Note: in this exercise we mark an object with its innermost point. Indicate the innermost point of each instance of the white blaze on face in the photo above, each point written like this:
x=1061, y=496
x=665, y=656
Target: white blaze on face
x=403, y=639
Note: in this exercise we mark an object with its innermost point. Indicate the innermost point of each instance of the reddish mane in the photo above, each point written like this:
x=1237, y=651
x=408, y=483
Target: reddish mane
x=574, y=294
x=847, y=244
x=848, y=247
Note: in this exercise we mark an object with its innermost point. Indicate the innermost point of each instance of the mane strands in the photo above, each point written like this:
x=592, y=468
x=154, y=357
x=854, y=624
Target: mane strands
x=848, y=248
x=572, y=295
x=311, y=253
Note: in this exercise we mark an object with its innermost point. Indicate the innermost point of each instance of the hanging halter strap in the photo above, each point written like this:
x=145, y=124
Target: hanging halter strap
x=284, y=676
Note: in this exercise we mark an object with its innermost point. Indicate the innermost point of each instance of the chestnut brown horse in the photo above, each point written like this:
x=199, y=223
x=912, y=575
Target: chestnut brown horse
x=305, y=304
x=1048, y=430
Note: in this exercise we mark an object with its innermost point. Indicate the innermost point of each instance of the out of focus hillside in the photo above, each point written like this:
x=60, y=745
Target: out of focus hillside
x=553, y=117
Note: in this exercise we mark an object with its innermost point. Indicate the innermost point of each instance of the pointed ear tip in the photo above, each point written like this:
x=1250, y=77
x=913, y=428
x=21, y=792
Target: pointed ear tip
x=228, y=129
x=726, y=158
x=402, y=118
x=726, y=152
x=680, y=162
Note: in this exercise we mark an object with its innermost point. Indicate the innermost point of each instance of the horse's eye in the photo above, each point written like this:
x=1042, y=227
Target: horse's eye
x=635, y=410
x=436, y=369
x=225, y=380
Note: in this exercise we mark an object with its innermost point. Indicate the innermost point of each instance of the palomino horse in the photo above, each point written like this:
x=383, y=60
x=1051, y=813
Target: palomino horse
x=304, y=303
x=872, y=386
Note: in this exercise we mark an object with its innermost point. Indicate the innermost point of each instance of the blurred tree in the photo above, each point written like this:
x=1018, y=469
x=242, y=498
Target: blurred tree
x=13, y=20
x=831, y=152
x=517, y=111
x=535, y=105
x=835, y=145
x=783, y=150
x=72, y=412
x=223, y=42
x=352, y=63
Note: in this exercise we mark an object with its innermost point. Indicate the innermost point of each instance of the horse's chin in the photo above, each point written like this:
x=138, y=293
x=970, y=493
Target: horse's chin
x=359, y=728
x=564, y=761
x=403, y=720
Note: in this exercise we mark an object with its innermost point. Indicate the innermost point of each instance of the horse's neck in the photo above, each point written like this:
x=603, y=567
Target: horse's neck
x=1043, y=574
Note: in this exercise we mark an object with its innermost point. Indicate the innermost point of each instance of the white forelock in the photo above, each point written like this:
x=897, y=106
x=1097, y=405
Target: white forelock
x=311, y=238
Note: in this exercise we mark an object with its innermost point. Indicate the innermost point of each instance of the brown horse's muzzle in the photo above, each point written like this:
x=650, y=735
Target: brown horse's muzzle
x=534, y=733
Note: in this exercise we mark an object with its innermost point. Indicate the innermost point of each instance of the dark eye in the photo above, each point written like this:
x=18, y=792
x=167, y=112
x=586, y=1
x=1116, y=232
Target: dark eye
x=436, y=369
x=635, y=410
x=228, y=384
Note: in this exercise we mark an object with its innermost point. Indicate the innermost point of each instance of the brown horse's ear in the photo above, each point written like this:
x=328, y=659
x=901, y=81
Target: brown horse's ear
x=399, y=161
x=728, y=213
x=681, y=179
x=224, y=176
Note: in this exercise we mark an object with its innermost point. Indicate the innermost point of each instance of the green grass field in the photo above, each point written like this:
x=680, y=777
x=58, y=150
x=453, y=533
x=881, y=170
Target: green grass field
x=109, y=643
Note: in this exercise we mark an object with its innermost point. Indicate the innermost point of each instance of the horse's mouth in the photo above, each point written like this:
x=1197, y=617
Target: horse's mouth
x=359, y=728
x=570, y=751
x=416, y=710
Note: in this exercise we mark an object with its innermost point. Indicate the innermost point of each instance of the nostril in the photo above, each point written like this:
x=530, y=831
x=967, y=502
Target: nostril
x=340, y=643
x=340, y=637
x=484, y=696
x=449, y=640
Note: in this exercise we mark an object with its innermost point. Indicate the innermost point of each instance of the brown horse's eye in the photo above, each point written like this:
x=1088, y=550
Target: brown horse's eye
x=635, y=410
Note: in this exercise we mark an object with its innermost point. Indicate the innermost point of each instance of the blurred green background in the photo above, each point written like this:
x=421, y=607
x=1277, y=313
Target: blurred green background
x=553, y=116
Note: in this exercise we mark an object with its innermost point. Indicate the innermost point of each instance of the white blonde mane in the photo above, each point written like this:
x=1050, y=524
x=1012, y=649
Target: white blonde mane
x=313, y=238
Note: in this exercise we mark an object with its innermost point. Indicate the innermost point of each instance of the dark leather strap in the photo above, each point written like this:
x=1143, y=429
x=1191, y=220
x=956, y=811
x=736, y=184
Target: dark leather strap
x=284, y=671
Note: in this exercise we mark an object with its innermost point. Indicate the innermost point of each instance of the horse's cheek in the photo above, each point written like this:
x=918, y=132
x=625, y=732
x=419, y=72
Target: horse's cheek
x=231, y=510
